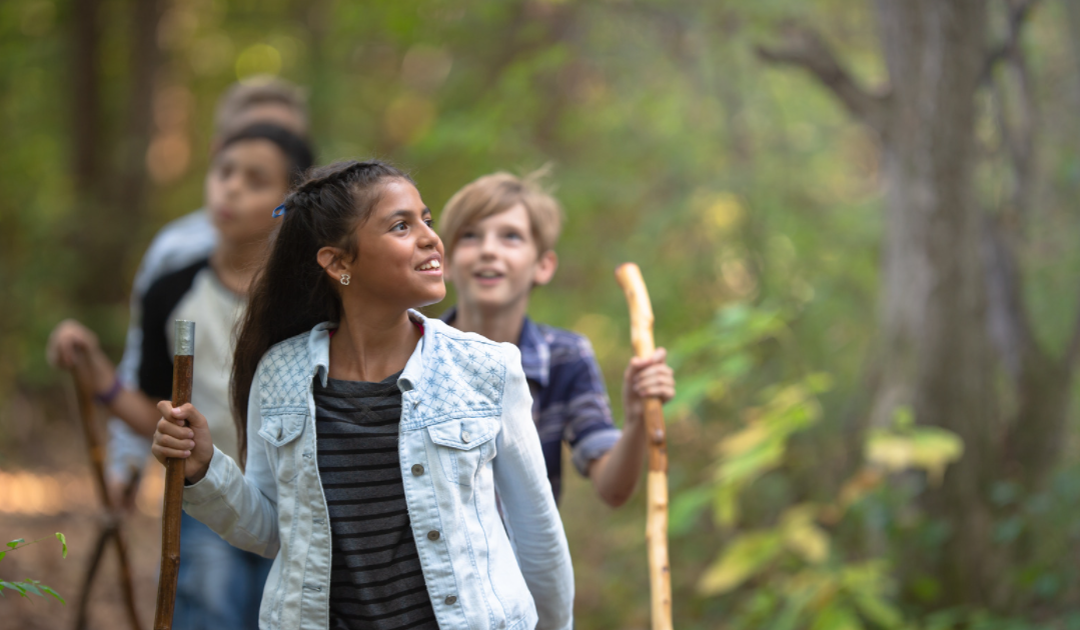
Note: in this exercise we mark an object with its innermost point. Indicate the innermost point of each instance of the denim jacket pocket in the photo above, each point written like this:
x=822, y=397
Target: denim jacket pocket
x=280, y=430
x=464, y=445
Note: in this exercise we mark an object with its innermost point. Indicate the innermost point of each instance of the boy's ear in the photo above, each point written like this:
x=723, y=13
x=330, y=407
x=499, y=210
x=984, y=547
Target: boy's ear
x=545, y=268
x=332, y=261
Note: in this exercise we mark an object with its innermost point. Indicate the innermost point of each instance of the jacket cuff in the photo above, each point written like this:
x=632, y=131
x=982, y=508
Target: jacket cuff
x=213, y=483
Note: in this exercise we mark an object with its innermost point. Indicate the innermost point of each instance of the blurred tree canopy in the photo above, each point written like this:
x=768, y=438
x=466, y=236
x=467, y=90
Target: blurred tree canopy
x=864, y=268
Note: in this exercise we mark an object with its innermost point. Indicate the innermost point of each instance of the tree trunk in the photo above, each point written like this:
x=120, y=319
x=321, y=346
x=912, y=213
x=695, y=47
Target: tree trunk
x=85, y=96
x=952, y=313
x=132, y=186
x=111, y=201
x=940, y=360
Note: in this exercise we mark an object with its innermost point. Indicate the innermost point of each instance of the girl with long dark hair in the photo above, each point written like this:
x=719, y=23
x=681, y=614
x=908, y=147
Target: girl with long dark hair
x=374, y=438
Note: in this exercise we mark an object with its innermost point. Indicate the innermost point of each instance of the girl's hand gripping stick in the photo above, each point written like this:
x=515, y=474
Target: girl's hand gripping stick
x=183, y=360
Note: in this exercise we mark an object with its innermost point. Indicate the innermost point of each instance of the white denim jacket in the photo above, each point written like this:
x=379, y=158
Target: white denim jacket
x=466, y=430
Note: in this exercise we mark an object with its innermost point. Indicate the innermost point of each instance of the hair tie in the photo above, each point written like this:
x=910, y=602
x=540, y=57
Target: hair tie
x=279, y=211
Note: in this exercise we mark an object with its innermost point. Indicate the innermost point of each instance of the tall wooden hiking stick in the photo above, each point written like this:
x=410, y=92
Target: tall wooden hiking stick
x=183, y=362
x=656, y=518
x=111, y=524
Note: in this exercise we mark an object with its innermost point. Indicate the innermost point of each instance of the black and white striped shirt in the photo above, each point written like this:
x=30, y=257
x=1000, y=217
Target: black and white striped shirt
x=376, y=582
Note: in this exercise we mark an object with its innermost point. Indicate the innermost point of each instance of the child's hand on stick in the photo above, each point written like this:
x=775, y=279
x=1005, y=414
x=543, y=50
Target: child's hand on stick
x=66, y=340
x=650, y=377
x=191, y=443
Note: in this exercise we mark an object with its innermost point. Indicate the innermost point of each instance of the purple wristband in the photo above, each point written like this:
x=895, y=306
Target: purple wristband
x=110, y=395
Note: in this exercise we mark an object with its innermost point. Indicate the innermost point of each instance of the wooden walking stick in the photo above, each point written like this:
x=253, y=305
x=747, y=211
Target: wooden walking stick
x=183, y=363
x=656, y=519
x=111, y=526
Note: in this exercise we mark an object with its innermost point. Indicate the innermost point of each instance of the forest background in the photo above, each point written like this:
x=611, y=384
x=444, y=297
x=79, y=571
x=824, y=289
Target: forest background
x=856, y=221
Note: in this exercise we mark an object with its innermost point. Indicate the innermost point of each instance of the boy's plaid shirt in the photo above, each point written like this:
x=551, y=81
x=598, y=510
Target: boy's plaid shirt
x=570, y=401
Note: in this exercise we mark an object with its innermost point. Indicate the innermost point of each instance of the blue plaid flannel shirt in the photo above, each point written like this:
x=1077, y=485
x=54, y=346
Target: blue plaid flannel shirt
x=570, y=401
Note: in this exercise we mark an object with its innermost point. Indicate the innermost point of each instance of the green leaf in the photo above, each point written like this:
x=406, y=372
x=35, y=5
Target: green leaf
x=790, y=615
x=15, y=543
x=14, y=586
x=726, y=505
x=868, y=585
x=803, y=536
x=686, y=507
x=836, y=616
x=31, y=587
x=53, y=593
x=63, y=542
x=878, y=610
x=744, y=557
x=2, y=554
x=928, y=448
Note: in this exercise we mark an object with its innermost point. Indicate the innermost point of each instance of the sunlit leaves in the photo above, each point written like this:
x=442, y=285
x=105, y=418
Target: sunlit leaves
x=802, y=535
x=711, y=359
x=760, y=446
x=907, y=446
x=742, y=558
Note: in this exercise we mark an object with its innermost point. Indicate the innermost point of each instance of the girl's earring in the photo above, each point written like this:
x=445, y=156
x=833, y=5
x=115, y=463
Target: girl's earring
x=345, y=279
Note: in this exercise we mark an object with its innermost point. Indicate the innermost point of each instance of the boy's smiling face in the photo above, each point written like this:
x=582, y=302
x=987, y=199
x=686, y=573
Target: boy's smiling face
x=496, y=262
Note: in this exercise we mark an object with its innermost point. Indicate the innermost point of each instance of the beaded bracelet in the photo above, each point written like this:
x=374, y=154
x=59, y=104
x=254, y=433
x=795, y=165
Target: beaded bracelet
x=110, y=395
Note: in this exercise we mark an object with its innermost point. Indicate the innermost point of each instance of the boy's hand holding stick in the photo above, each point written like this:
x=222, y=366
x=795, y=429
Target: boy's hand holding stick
x=183, y=361
x=656, y=523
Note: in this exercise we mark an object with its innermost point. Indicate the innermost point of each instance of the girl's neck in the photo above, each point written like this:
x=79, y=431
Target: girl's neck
x=371, y=346
x=235, y=263
x=502, y=325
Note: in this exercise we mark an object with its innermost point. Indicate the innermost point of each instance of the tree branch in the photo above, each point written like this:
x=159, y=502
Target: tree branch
x=1019, y=10
x=804, y=48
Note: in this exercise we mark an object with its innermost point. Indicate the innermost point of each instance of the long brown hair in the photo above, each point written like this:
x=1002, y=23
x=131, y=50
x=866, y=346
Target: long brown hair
x=292, y=293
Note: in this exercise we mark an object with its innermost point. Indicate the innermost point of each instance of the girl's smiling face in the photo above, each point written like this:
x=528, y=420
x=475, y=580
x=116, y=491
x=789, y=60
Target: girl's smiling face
x=399, y=256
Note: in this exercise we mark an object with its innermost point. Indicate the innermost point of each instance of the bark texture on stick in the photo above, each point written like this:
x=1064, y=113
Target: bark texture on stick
x=111, y=529
x=656, y=521
x=183, y=363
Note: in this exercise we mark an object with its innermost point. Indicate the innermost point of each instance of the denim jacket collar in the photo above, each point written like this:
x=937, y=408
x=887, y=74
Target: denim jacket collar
x=319, y=351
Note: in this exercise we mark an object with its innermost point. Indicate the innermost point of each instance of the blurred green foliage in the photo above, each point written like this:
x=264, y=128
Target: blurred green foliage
x=750, y=201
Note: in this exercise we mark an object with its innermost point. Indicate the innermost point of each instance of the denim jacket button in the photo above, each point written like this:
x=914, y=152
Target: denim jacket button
x=465, y=437
x=417, y=469
x=433, y=534
x=450, y=600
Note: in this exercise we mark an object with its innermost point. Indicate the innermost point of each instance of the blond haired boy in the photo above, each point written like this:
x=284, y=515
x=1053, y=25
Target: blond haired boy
x=500, y=233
